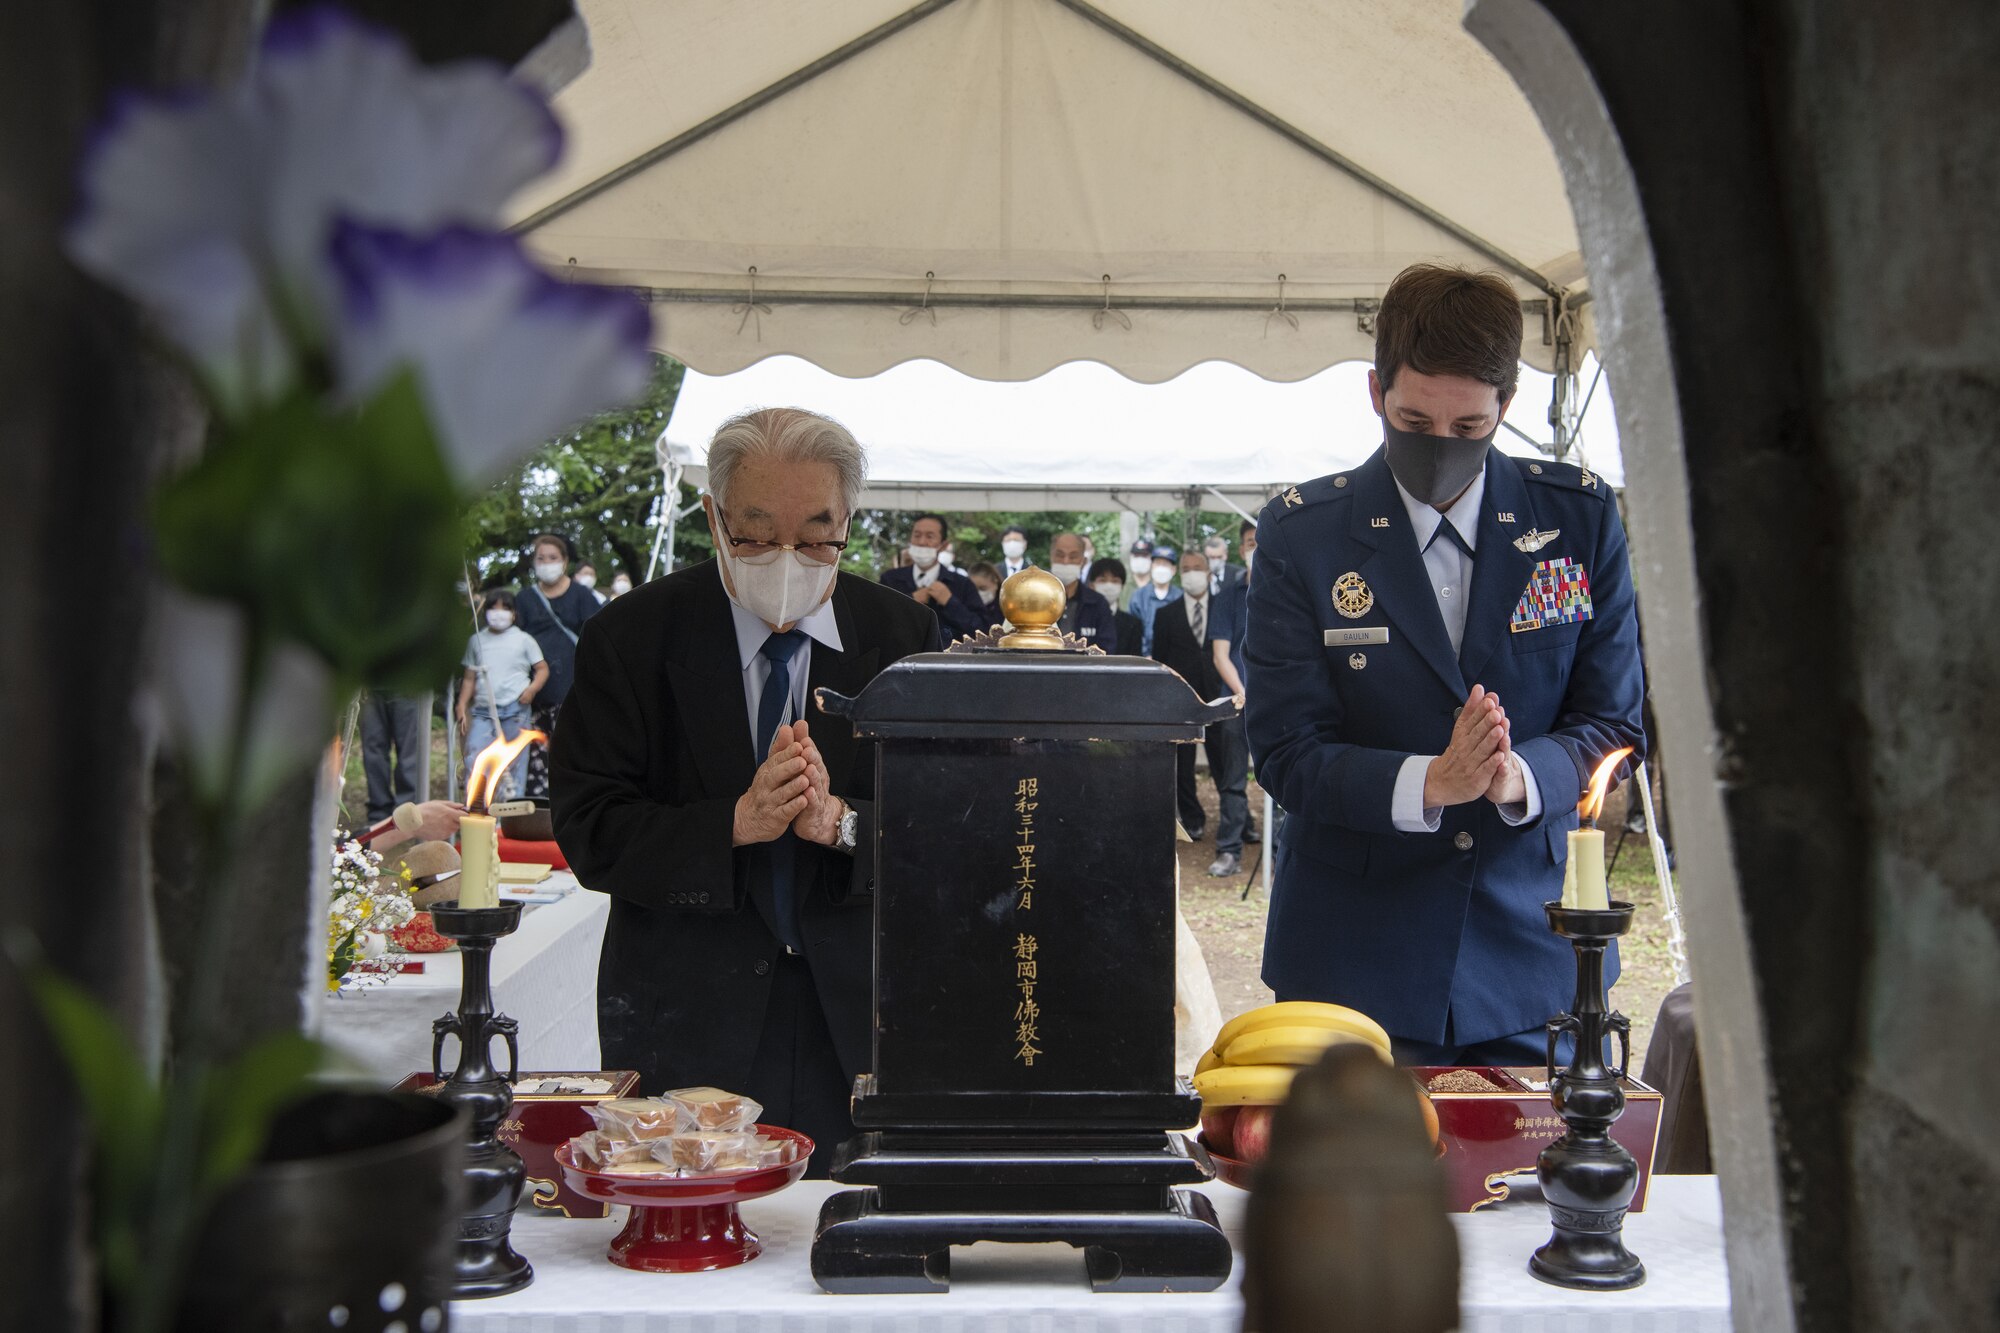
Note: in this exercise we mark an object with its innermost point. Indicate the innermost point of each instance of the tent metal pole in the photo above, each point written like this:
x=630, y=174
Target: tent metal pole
x=1146, y=46
x=730, y=115
x=1260, y=305
x=1238, y=509
x=1539, y=446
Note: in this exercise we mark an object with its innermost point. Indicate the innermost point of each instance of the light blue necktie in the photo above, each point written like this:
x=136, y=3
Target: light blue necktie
x=779, y=650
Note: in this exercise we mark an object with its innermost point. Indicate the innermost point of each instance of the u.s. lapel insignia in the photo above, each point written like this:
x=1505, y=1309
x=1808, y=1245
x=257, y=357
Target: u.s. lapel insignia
x=1292, y=497
x=1351, y=595
x=1505, y=516
x=1534, y=539
x=1378, y=522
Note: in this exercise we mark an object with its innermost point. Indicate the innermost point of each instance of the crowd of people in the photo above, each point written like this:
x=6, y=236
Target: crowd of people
x=1118, y=606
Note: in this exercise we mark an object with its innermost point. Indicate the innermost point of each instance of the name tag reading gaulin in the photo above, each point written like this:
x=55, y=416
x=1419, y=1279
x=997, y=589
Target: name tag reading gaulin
x=1342, y=638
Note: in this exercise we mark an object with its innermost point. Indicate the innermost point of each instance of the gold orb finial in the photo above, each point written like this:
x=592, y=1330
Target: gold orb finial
x=1033, y=601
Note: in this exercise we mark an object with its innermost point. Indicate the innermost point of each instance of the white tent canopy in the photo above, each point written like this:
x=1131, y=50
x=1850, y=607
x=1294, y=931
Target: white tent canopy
x=1081, y=437
x=1009, y=185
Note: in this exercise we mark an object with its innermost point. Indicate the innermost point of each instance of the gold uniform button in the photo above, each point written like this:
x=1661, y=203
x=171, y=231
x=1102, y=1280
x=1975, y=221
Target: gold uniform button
x=1463, y=842
x=1535, y=468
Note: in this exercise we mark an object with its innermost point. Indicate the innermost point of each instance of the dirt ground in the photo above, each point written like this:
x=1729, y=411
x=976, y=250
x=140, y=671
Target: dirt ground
x=1231, y=927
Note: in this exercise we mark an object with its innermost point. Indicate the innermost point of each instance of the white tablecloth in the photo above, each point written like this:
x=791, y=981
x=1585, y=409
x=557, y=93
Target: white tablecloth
x=544, y=977
x=1042, y=1288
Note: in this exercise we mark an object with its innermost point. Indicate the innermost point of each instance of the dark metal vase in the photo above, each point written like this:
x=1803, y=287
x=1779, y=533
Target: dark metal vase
x=344, y=1221
x=1587, y=1178
x=494, y=1173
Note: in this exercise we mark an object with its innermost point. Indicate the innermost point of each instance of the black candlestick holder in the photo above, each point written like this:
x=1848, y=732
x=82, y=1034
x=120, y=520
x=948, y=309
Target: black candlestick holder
x=1587, y=1177
x=494, y=1173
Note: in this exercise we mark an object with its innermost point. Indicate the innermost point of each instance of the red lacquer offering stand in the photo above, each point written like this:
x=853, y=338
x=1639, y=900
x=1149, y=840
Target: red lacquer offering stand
x=687, y=1224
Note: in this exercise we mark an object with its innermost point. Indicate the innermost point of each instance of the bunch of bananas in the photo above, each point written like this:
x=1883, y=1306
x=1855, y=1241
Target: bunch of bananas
x=1256, y=1055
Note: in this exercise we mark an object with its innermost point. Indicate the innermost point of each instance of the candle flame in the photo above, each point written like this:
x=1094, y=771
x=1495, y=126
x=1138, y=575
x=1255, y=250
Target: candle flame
x=490, y=763
x=1592, y=805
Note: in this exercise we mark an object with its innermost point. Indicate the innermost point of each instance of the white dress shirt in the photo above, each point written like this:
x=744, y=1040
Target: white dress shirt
x=1193, y=605
x=926, y=577
x=751, y=632
x=1450, y=572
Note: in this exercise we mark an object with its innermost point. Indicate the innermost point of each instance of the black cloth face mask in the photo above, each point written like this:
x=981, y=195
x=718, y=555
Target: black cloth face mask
x=1434, y=468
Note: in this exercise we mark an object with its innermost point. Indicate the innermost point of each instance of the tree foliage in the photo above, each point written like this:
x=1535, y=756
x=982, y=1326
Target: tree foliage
x=599, y=485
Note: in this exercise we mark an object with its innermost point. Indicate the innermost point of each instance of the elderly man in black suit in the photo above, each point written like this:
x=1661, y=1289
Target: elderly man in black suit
x=730, y=822
x=1180, y=639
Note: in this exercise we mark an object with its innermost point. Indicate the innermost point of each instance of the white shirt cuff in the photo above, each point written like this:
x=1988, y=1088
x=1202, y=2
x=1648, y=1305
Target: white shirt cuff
x=1529, y=808
x=1406, y=806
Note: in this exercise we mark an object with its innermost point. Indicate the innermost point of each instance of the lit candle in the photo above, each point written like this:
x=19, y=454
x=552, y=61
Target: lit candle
x=478, y=831
x=1583, y=879
x=479, y=861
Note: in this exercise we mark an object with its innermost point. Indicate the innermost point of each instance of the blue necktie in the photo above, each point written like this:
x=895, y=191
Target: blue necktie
x=779, y=650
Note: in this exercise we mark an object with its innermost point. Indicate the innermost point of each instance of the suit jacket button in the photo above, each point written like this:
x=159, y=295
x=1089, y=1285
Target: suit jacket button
x=1456, y=711
x=1463, y=842
x=763, y=968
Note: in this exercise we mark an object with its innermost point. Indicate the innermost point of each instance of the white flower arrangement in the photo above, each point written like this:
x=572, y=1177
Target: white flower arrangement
x=365, y=908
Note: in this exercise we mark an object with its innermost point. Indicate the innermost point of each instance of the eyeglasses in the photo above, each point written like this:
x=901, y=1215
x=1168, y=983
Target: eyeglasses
x=763, y=553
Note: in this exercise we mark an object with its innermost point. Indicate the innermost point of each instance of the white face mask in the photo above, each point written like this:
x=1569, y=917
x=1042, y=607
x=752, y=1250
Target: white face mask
x=923, y=557
x=499, y=619
x=1195, y=582
x=619, y=587
x=548, y=571
x=1162, y=575
x=947, y=559
x=1109, y=591
x=780, y=592
x=1215, y=564
x=988, y=596
x=1014, y=547
x=1067, y=573
x=587, y=580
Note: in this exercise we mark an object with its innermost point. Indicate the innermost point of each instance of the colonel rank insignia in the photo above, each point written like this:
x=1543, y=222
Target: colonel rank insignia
x=1558, y=593
x=1351, y=596
x=1292, y=497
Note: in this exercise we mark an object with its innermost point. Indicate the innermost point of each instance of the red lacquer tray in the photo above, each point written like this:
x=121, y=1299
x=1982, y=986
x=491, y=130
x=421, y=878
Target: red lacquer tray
x=686, y=1224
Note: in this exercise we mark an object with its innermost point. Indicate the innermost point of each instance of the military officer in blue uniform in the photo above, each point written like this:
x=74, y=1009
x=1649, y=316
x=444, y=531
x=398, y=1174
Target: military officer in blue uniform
x=1441, y=649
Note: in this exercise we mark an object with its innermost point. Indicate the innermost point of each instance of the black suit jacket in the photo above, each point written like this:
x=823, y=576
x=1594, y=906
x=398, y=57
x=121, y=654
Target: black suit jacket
x=963, y=614
x=645, y=768
x=1174, y=643
x=1131, y=633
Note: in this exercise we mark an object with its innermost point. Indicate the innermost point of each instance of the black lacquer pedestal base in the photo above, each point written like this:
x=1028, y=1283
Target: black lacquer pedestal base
x=1587, y=1177
x=494, y=1173
x=1110, y=1193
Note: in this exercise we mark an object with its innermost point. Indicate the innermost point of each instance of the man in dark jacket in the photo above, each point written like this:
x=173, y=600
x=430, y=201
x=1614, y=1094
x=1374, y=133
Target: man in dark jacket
x=1180, y=639
x=729, y=820
x=1086, y=615
x=927, y=579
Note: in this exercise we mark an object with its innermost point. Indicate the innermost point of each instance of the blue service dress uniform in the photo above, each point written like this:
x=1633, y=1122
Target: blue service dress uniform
x=1440, y=936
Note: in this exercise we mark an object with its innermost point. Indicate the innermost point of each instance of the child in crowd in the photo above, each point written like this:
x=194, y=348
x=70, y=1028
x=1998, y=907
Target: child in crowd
x=504, y=670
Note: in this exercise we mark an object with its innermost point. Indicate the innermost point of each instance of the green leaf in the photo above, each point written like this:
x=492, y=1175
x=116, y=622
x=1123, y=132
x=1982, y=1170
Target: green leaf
x=123, y=1103
x=244, y=1095
x=333, y=528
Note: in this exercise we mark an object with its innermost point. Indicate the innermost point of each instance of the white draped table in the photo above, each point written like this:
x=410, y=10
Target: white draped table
x=544, y=977
x=1042, y=1289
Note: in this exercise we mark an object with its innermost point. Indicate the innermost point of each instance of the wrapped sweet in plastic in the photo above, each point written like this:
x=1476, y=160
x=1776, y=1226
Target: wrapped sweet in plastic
x=601, y=1152
x=773, y=1152
x=636, y=1119
x=712, y=1109
x=703, y=1152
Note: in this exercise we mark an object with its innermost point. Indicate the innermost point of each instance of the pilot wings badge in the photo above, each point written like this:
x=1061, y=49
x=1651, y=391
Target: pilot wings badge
x=1534, y=540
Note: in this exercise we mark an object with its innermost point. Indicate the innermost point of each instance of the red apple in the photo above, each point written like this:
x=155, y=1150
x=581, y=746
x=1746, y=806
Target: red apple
x=1253, y=1132
x=1218, y=1129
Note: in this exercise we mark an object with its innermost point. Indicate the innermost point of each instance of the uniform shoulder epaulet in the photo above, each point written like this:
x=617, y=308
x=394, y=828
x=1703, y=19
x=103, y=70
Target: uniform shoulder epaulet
x=1294, y=499
x=1564, y=476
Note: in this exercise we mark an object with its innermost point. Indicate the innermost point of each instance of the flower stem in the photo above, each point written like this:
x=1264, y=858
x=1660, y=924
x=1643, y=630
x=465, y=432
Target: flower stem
x=179, y=1198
